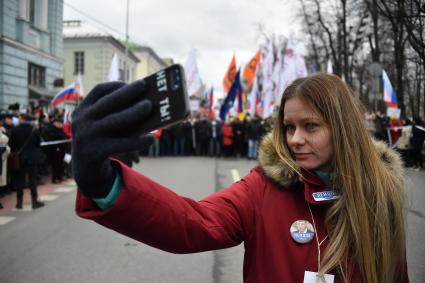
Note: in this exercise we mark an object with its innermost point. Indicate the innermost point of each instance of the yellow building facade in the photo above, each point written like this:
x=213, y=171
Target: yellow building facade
x=90, y=54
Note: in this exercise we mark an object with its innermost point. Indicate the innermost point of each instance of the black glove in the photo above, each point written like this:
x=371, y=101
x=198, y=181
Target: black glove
x=104, y=124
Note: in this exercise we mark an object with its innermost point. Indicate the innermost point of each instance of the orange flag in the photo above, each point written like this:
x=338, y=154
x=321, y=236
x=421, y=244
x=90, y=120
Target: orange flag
x=229, y=78
x=249, y=71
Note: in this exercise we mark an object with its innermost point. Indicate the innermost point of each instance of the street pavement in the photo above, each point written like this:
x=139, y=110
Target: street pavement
x=415, y=234
x=52, y=244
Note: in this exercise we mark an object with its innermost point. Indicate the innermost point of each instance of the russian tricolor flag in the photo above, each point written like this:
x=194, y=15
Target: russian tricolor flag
x=69, y=93
x=390, y=96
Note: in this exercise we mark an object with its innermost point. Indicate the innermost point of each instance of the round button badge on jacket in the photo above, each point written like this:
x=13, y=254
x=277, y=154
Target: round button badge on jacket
x=302, y=231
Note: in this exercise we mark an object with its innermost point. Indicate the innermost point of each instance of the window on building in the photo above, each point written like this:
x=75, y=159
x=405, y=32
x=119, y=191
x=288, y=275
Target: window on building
x=126, y=72
x=36, y=75
x=79, y=62
x=23, y=10
x=32, y=11
x=121, y=73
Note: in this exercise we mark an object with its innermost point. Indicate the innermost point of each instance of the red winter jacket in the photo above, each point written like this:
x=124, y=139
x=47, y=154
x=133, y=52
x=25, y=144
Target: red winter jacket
x=227, y=134
x=257, y=210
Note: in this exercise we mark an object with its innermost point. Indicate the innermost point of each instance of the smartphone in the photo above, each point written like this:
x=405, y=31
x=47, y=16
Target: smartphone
x=166, y=89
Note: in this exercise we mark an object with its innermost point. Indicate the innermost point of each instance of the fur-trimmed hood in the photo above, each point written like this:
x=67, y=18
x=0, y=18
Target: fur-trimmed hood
x=278, y=171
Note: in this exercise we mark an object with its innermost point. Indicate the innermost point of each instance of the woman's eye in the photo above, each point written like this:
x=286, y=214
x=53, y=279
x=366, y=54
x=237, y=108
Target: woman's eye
x=311, y=126
x=289, y=128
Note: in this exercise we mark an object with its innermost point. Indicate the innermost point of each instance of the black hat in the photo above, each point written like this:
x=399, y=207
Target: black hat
x=14, y=106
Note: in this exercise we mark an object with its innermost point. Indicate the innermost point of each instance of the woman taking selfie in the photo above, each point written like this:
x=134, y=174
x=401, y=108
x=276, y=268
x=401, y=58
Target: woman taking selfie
x=325, y=204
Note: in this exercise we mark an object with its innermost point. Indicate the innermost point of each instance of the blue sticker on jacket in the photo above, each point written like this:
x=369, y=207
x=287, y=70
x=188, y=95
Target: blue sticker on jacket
x=326, y=195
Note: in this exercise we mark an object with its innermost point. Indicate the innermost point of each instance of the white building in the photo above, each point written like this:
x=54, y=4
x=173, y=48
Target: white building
x=89, y=51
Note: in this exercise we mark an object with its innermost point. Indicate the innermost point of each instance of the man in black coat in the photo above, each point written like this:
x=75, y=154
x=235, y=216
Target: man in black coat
x=25, y=139
x=177, y=133
x=253, y=133
x=417, y=142
x=56, y=152
x=202, y=129
x=238, y=137
x=188, y=137
x=215, y=137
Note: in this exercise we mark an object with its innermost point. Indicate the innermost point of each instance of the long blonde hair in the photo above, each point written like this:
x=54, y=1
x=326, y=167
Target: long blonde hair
x=366, y=225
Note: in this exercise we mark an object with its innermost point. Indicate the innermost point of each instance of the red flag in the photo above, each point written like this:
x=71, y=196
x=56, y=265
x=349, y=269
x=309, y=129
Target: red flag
x=229, y=78
x=249, y=71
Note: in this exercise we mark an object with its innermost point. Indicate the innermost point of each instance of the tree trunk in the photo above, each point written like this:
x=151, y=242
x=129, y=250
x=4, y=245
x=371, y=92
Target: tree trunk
x=400, y=59
x=374, y=45
x=344, y=40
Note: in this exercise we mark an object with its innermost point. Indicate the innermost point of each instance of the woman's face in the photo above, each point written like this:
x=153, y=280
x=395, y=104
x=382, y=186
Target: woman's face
x=308, y=136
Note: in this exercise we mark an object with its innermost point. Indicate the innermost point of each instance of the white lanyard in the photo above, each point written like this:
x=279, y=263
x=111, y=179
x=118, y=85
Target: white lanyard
x=321, y=276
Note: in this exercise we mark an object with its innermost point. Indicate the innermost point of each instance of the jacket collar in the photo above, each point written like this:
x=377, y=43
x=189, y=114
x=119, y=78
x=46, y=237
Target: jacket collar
x=315, y=191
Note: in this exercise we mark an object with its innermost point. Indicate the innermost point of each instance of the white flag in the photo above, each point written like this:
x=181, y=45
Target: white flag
x=301, y=66
x=67, y=117
x=289, y=66
x=329, y=68
x=114, y=74
x=193, y=81
x=294, y=65
x=278, y=77
x=267, y=67
x=252, y=97
x=79, y=85
x=268, y=103
x=268, y=87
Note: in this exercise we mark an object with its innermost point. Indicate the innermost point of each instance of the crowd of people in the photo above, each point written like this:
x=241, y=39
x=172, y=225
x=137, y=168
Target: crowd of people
x=407, y=136
x=204, y=136
x=42, y=142
x=32, y=145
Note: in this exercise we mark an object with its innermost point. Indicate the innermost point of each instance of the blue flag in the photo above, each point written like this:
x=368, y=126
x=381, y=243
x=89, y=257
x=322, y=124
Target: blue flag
x=235, y=90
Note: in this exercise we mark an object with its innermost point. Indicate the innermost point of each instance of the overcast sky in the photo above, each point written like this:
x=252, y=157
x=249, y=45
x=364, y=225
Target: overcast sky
x=216, y=28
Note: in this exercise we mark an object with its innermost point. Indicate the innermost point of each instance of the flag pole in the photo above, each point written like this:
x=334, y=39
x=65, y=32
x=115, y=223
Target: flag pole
x=79, y=81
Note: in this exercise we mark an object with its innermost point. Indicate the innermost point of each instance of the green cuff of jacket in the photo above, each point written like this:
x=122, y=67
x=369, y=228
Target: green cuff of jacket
x=111, y=198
